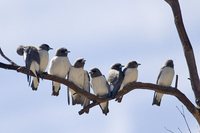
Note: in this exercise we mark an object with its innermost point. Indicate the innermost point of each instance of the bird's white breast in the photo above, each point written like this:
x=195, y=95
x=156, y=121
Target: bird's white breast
x=99, y=86
x=59, y=66
x=166, y=76
x=131, y=74
x=76, y=75
x=44, y=58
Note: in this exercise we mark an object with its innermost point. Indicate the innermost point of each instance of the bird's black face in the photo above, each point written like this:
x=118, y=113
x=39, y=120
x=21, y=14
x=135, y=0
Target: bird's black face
x=95, y=72
x=79, y=63
x=133, y=64
x=62, y=52
x=20, y=50
x=45, y=47
x=169, y=63
x=117, y=67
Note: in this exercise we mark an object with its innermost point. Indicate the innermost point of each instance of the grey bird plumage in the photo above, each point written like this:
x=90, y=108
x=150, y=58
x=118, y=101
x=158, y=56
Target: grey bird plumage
x=32, y=61
x=100, y=87
x=165, y=78
x=59, y=66
x=115, y=78
x=130, y=75
x=80, y=77
x=44, y=59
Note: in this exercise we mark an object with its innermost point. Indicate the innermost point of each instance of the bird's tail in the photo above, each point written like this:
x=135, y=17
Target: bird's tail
x=35, y=83
x=55, y=88
x=104, y=107
x=86, y=103
x=77, y=99
x=157, y=99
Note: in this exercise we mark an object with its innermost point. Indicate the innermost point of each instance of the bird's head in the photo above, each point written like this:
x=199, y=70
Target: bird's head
x=62, y=52
x=45, y=47
x=79, y=63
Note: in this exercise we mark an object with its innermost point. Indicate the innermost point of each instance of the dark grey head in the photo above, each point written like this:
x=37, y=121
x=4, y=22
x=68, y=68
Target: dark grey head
x=133, y=64
x=62, y=52
x=79, y=63
x=117, y=66
x=95, y=72
x=45, y=47
x=169, y=63
x=20, y=50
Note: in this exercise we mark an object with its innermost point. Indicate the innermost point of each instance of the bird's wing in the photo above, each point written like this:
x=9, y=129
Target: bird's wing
x=86, y=81
x=31, y=55
x=108, y=86
x=161, y=70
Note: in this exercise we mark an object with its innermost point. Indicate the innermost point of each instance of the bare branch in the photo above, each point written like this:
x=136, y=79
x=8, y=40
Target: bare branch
x=168, y=130
x=176, y=83
x=129, y=87
x=184, y=117
x=9, y=60
x=180, y=130
x=187, y=48
x=87, y=108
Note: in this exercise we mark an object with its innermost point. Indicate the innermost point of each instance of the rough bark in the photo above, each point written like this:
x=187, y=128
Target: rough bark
x=187, y=48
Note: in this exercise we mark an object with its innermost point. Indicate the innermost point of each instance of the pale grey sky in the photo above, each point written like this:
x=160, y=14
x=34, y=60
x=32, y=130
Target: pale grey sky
x=103, y=32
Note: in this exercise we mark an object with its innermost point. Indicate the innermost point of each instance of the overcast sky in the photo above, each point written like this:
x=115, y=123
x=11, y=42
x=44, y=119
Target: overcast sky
x=103, y=32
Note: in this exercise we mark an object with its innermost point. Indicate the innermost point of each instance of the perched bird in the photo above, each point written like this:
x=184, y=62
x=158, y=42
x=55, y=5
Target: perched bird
x=44, y=56
x=165, y=78
x=32, y=62
x=130, y=75
x=100, y=87
x=80, y=77
x=115, y=78
x=59, y=66
x=44, y=59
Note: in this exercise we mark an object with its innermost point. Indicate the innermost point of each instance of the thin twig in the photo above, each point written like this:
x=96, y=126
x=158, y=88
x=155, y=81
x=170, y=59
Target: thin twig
x=176, y=83
x=5, y=57
x=168, y=130
x=180, y=130
x=87, y=108
x=184, y=117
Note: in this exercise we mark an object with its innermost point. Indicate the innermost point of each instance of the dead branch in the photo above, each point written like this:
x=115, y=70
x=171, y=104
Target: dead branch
x=184, y=117
x=187, y=48
x=168, y=130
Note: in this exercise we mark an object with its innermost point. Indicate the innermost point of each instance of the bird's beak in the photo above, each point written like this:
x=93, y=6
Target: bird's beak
x=67, y=52
x=90, y=72
x=50, y=48
x=84, y=61
x=139, y=64
x=122, y=66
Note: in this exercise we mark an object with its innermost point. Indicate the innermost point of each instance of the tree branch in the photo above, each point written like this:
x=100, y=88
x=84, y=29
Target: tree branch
x=5, y=57
x=184, y=117
x=187, y=48
x=129, y=87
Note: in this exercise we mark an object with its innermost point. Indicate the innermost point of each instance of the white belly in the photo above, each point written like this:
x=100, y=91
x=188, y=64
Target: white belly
x=166, y=77
x=131, y=75
x=59, y=66
x=44, y=59
x=99, y=86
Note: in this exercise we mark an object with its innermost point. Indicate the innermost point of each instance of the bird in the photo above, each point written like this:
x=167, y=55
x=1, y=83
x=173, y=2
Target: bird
x=80, y=77
x=59, y=66
x=165, y=78
x=115, y=78
x=44, y=59
x=130, y=75
x=32, y=61
x=44, y=56
x=100, y=87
